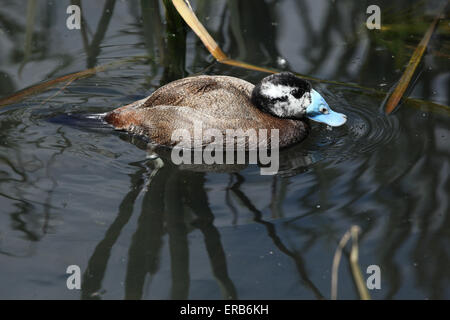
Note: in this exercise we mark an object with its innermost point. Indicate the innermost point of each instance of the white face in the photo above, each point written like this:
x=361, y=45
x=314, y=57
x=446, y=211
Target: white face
x=285, y=104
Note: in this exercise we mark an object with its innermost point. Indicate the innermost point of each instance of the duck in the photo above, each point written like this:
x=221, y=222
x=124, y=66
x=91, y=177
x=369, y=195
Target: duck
x=280, y=101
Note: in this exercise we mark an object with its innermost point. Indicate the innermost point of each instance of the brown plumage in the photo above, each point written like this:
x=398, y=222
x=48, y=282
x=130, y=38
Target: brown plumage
x=217, y=102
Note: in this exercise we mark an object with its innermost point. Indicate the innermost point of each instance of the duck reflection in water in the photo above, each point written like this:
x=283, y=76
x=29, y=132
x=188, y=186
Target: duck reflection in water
x=169, y=193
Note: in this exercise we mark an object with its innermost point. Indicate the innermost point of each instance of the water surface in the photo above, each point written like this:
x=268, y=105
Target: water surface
x=77, y=193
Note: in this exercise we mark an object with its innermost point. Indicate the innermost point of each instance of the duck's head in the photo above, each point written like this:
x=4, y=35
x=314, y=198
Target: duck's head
x=286, y=96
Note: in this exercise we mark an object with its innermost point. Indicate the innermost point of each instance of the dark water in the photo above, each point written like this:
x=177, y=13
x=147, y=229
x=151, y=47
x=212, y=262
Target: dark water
x=72, y=193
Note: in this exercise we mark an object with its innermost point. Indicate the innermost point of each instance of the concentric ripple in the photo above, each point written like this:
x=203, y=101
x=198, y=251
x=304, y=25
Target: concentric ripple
x=367, y=129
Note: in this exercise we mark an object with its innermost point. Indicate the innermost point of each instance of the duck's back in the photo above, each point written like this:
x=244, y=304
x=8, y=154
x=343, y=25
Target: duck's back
x=215, y=102
x=218, y=96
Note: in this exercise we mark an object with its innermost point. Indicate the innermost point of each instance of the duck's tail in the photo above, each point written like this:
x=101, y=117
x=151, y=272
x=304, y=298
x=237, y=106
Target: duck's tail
x=127, y=116
x=82, y=120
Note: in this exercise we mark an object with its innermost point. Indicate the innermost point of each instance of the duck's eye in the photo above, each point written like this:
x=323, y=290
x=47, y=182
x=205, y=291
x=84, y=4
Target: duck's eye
x=323, y=110
x=296, y=94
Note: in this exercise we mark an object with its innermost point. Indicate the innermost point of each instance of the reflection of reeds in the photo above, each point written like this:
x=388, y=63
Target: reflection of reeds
x=174, y=58
x=31, y=14
x=93, y=49
x=185, y=10
x=66, y=78
x=170, y=195
x=152, y=28
x=176, y=69
x=271, y=232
